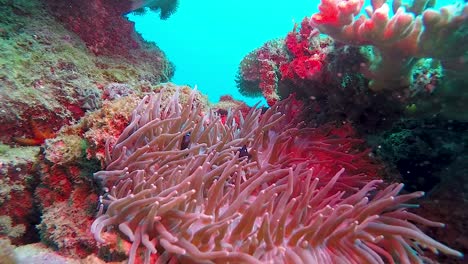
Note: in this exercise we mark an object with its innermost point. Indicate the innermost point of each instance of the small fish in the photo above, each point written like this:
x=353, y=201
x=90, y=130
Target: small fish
x=243, y=152
x=185, y=141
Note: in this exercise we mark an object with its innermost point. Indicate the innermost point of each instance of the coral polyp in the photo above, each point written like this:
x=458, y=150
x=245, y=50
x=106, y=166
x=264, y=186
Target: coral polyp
x=363, y=113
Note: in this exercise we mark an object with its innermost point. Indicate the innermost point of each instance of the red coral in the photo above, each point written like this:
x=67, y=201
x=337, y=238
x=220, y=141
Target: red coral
x=67, y=203
x=66, y=224
x=299, y=58
x=55, y=185
x=297, y=42
x=307, y=60
x=303, y=67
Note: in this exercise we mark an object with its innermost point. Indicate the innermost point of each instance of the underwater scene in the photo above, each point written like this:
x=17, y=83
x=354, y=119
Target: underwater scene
x=235, y=131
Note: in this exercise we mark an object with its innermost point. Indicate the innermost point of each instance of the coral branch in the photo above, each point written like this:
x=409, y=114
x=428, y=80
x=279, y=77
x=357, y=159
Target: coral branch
x=414, y=31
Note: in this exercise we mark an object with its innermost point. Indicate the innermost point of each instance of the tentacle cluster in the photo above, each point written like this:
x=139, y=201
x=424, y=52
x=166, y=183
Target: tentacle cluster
x=209, y=202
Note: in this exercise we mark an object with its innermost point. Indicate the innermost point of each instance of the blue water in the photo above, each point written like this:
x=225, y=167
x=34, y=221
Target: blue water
x=206, y=40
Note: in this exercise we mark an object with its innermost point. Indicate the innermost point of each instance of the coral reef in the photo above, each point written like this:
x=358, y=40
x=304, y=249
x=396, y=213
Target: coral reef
x=413, y=59
x=308, y=51
x=64, y=224
x=383, y=68
x=66, y=190
x=261, y=190
x=102, y=26
x=17, y=183
x=396, y=45
x=414, y=31
x=448, y=202
x=421, y=149
x=89, y=127
x=298, y=61
x=113, y=91
x=68, y=196
x=333, y=89
x=430, y=154
x=99, y=24
x=48, y=75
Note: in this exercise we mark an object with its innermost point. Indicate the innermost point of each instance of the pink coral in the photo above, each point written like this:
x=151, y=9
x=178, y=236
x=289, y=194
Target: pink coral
x=413, y=31
x=183, y=185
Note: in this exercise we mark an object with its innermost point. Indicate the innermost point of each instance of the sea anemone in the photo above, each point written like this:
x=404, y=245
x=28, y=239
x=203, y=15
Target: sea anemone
x=185, y=186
